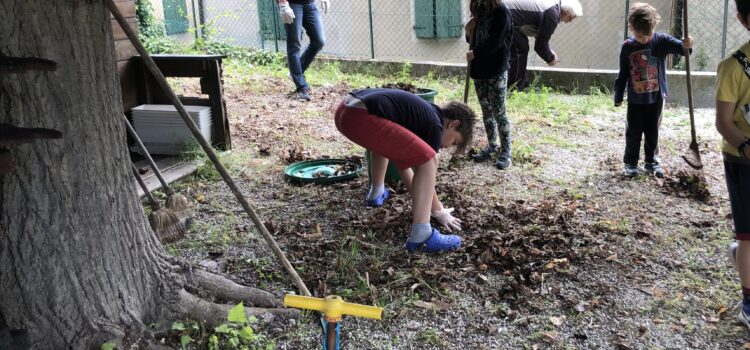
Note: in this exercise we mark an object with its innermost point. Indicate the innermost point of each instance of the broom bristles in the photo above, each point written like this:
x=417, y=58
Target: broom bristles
x=167, y=225
x=177, y=202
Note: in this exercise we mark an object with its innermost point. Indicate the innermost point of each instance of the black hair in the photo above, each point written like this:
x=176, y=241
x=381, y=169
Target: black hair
x=743, y=8
x=465, y=115
x=483, y=7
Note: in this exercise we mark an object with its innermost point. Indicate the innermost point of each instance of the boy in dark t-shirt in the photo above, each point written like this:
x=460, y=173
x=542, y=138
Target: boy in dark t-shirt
x=399, y=126
x=643, y=71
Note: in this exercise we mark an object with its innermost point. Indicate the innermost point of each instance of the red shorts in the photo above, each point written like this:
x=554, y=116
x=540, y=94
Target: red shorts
x=383, y=137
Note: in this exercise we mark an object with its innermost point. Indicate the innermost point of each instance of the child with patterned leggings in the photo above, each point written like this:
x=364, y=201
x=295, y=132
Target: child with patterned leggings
x=492, y=28
x=400, y=126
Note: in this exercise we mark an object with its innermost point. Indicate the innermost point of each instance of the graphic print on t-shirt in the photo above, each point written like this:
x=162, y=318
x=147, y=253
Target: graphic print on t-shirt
x=644, y=72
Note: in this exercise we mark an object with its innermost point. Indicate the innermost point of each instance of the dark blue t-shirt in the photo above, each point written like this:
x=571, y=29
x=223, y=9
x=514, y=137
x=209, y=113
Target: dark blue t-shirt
x=422, y=118
x=643, y=69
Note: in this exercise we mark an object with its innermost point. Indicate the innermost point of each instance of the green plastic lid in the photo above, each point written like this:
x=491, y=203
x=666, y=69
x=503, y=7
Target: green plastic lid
x=323, y=171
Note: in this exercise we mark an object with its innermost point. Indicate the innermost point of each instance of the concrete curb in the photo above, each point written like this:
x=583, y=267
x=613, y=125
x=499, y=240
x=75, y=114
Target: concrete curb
x=564, y=79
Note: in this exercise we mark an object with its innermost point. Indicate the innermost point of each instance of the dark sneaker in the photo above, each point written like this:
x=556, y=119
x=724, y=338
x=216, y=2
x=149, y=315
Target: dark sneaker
x=732, y=253
x=303, y=95
x=503, y=161
x=437, y=243
x=631, y=170
x=484, y=155
x=744, y=314
x=654, y=169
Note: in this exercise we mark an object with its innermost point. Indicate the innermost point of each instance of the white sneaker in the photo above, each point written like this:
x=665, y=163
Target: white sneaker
x=732, y=253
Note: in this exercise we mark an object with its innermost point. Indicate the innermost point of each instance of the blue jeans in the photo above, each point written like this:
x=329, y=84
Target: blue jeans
x=307, y=17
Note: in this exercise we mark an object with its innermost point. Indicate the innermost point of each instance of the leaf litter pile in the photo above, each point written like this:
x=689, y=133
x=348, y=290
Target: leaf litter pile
x=518, y=240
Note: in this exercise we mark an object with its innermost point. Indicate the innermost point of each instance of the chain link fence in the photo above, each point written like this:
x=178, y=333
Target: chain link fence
x=432, y=30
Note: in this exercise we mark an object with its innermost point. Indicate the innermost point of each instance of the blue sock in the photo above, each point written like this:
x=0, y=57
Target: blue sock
x=375, y=191
x=420, y=232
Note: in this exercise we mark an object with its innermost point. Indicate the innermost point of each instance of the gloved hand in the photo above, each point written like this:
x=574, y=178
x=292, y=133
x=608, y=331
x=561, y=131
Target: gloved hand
x=444, y=217
x=287, y=15
x=325, y=5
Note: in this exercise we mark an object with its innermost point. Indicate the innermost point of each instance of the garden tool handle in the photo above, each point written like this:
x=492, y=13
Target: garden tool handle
x=146, y=155
x=333, y=307
x=686, y=53
x=468, y=67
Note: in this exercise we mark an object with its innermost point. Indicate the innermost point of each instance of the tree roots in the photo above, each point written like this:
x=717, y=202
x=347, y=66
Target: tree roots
x=212, y=314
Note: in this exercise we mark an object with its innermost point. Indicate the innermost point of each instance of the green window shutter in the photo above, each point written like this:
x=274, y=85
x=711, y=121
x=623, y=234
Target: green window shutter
x=175, y=16
x=448, y=19
x=424, y=19
x=271, y=27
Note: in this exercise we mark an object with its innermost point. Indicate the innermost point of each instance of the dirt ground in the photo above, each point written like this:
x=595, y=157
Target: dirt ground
x=560, y=251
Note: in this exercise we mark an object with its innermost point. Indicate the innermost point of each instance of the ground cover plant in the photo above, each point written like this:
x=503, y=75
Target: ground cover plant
x=560, y=251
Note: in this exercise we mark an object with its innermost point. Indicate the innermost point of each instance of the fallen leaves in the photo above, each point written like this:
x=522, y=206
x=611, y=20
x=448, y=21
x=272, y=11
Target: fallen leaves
x=557, y=321
x=556, y=264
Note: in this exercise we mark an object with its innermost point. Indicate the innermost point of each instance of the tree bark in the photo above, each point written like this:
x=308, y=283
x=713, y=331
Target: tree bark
x=78, y=262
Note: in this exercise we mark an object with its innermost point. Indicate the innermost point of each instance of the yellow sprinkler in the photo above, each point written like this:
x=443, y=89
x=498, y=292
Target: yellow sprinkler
x=333, y=309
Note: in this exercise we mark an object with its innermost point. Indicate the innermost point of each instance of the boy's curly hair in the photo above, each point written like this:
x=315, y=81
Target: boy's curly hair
x=465, y=115
x=643, y=18
x=743, y=8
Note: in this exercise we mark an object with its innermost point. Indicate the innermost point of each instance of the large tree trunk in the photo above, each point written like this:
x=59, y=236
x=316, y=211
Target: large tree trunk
x=78, y=262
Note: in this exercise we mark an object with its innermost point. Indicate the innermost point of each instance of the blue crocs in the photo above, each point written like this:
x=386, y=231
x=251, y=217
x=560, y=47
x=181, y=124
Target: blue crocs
x=379, y=200
x=437, y=243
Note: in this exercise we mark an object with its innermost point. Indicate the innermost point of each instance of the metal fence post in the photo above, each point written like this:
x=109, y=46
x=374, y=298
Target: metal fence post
x=724, y=30
x=195, y=20
x=372, y=35
x=275, y=27
x=627, y=9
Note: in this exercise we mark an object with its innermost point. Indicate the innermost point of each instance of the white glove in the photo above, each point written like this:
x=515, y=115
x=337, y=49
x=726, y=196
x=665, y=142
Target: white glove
x=287, y=15
x=324, y=5
x=447, y=220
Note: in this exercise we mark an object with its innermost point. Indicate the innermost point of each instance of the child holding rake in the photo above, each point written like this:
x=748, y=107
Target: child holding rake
x=643, y=71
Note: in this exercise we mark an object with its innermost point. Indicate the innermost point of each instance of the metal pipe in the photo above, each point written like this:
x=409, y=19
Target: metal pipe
x=195, y=20
x=372, y=35
x=724, y=30
x=627, y=9
x=274, y=6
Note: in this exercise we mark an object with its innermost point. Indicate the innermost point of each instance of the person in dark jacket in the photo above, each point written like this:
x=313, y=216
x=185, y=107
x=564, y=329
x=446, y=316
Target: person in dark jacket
x=537, y=19
x=642, y=70
x=491, y=28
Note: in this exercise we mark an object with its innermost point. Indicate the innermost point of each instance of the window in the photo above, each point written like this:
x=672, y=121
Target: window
x=175, y=16
x=437, y=19
x=271, y=27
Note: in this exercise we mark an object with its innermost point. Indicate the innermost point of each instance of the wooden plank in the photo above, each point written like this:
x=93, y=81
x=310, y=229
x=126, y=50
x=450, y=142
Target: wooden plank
x=127, y=8
x=124, y=50
x=214, y=88
x=117, y=31
x=171, y=174
x=128, y=84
